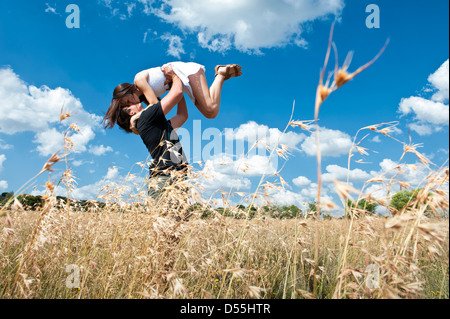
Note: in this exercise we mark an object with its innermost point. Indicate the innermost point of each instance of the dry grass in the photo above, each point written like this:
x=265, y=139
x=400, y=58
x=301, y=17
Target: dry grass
x=133, y=248
x=135, y=255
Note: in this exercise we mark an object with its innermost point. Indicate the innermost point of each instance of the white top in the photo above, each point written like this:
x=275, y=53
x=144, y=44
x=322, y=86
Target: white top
x=183, y=70
x=156, y=80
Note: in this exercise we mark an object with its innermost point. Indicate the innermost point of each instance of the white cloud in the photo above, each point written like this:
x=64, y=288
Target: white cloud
x=387, y=165
x=78, y=163
x=422, y=129
x=113, y=174
x=2, y=160
x=425, y=110
x=285, y=197
x=333, y=143
x=111, y=179
x=440, y=81
x=249, y=166
x=213, y=180
x=415, y=175
x=3, y=186
x=252, y=132
x=50, y=141
x=100, y=150
x=223, y=172
x=175, y=45
x=335, y=172
x=148, y=33
x=245, y=24
x=147, y=6
x=376, y=139
x=430, y=115
x=4, y=145
x=300, y=199
x=82, y=139
x=50, y=9
x=130, y=8
x=301, y=181
x=27, y=108
x=109, y=5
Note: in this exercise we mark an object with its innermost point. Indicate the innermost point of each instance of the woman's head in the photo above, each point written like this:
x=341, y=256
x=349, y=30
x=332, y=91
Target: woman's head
x=125, y=98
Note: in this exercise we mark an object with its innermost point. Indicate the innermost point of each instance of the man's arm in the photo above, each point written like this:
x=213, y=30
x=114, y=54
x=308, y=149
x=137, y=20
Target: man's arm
x=182, y=115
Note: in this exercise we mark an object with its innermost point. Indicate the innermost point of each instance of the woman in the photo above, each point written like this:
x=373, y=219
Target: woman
x=156, y=81
x=153, y=83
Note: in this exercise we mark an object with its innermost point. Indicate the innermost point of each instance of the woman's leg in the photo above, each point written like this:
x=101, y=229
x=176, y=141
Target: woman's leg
x=208, y=100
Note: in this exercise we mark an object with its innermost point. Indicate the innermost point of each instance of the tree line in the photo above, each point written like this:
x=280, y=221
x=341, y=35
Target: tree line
x=401, y=201
x=31, y=202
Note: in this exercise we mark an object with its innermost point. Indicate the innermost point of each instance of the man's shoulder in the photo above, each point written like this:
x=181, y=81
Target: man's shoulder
x=152, y=109
x=152, y=113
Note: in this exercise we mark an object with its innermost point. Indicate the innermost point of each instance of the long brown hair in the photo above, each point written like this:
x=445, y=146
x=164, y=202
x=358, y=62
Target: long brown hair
x=123, y=96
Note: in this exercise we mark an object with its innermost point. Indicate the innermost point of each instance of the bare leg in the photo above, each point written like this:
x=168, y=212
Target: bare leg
x=207, y=100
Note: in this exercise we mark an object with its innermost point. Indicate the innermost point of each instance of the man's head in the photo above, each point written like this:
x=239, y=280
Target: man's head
x=125, y=104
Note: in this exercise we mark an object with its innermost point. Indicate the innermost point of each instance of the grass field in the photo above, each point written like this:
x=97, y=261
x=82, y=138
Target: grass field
x=136, y=255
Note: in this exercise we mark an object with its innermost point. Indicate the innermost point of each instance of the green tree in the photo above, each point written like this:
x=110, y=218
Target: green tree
x=313, y=209
x=404, y=199
x=5, y=197
x=407, y=200
x=369, y=208
x=31, y=202
x=292, y=211
x=285, y=212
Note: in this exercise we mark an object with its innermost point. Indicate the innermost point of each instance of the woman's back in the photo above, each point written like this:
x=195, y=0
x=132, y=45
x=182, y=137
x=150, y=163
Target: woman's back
x=157, y=80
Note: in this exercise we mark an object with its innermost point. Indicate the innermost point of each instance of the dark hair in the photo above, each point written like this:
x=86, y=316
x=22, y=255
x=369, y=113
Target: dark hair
x=123, y=96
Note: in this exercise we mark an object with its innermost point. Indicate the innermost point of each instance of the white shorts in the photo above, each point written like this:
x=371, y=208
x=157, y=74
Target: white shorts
x=183, y=71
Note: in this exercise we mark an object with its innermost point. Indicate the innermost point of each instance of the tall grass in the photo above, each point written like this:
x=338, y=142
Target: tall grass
x=134, y=248
x=136, y=255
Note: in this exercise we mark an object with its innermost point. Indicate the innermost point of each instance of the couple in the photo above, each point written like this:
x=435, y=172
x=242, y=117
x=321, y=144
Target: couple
x=157, y=133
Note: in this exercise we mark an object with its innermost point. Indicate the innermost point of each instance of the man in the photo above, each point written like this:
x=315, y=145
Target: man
x=157, y=133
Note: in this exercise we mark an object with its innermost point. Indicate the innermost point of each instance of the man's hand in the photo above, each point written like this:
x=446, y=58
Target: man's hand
x=169, y=74
x=182, y=115
x=174, y=97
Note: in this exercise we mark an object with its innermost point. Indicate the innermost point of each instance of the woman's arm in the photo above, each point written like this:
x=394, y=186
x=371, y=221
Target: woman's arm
x=141, y=81
x=182, y=115
x=173, y=97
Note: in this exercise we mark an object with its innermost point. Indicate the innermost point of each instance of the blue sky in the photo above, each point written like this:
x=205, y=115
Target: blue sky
x=281, y=46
